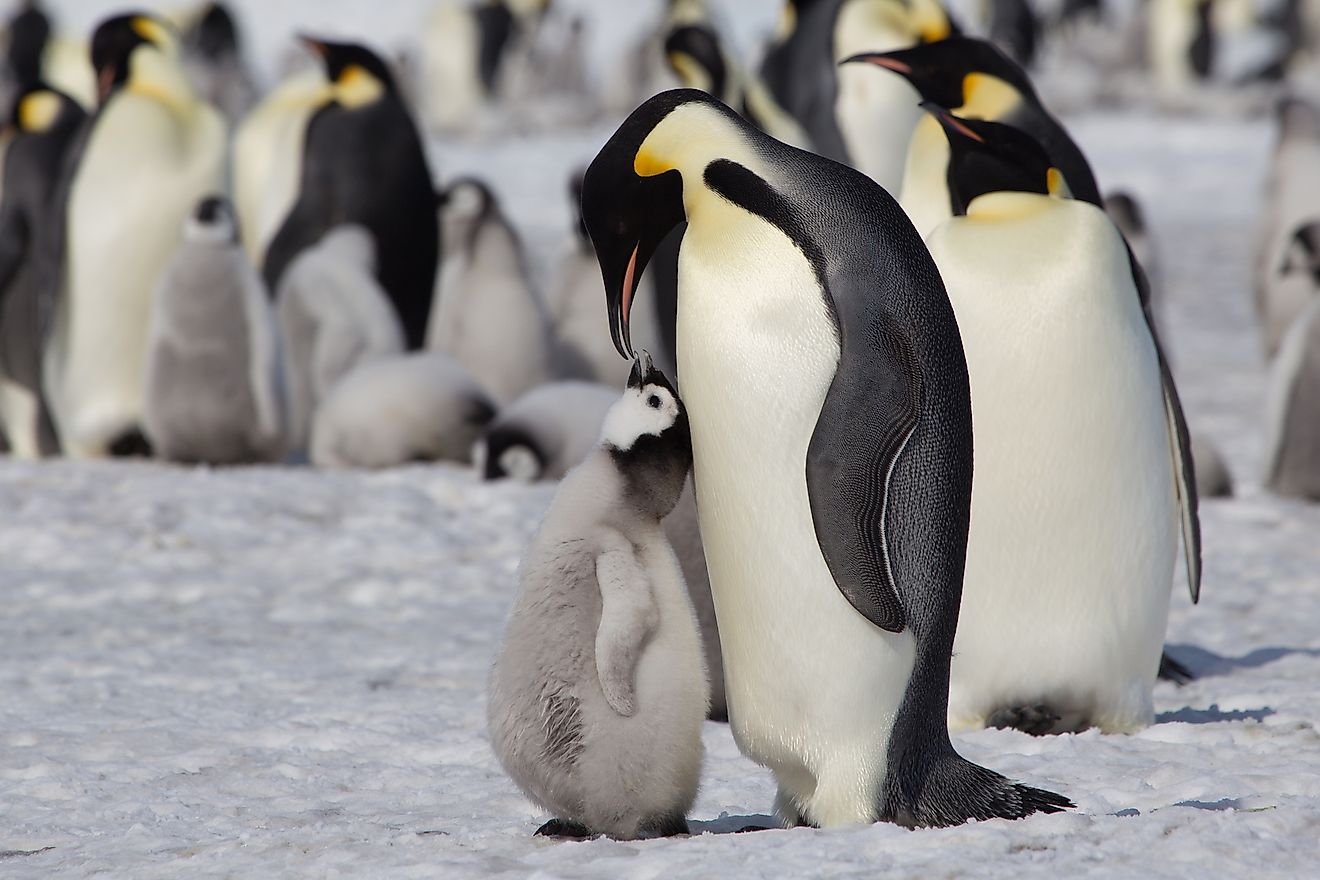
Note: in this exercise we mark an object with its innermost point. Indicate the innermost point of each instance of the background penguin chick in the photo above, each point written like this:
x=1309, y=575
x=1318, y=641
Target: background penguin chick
x=211, y=392
x=546, y=432
x=1293, y=439
x=333, y=315
x=421, y=406
x=487, y=314
x=598, y=692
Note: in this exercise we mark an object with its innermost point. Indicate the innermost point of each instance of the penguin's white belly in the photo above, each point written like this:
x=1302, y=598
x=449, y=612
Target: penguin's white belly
x=1073, y=531
x=813, y=687
x=141, y=175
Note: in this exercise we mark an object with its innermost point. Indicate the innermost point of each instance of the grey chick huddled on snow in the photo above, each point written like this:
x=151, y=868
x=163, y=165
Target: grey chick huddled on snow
x=599, y=690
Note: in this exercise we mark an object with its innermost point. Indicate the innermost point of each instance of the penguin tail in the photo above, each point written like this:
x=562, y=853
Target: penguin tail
x=955, y=791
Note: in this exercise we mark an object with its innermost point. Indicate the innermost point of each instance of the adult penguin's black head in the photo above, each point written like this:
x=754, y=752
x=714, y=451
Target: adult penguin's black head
x=215, y=36
x=631, y=199
x=987, y=157
x=114, y=42
x=358, y=75
x=951, y=72
x=694, y=54
x=29, y=30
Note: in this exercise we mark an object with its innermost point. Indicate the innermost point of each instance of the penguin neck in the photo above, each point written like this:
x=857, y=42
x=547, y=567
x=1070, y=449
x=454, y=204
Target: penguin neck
x=871, y=26
x=1004, y=206
x=156, y=74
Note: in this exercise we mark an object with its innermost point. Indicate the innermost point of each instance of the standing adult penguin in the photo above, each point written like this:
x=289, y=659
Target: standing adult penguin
x=1180, y=42
x=1292, y=439
x=363, y=163
x=29, y=31
x=212, y=374
x=213, y=57
x=974, y=80
x=1080, y=449
x=832, y=442
x=45, y=122
x=152, y=150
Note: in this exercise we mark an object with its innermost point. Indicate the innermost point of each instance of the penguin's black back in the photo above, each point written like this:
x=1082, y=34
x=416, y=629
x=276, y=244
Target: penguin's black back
x=367, y=166
x=28, y=32
x=800, y=75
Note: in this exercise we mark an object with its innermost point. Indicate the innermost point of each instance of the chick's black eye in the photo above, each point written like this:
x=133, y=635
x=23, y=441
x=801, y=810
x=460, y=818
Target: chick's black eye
x=653, y=402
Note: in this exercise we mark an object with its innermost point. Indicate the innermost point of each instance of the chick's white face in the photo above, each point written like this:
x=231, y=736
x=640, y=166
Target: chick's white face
x=649, y=409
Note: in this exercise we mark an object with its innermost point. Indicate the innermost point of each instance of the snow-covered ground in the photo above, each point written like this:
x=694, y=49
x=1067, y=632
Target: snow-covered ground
x=274, y=672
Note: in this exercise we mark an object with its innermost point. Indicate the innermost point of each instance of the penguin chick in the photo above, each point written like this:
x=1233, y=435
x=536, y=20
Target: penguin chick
x=213, y=59
x=599, y=690
x=546, y=432
x=1293, y=441
x=333, y=315
x=211, y=375
x=487, y=314
x=420, y=406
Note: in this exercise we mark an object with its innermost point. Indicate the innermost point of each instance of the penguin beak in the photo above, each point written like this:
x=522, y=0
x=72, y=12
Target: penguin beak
x=879, y=59
x=317, y=47
x=627, y=216
x=952, y=125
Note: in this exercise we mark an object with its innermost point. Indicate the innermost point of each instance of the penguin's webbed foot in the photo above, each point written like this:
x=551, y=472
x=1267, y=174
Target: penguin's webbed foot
x=563, y=829
x=1037, y=720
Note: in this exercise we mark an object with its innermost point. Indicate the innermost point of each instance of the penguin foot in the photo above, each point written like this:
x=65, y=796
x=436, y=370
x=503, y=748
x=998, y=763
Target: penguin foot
x=1037, y=720
x=563, y=829
x=130, y=444
x=955, y=790
x=1172, y=670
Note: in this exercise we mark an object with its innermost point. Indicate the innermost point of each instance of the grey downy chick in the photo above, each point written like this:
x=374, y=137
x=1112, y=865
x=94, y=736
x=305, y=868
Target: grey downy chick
x=599, y=690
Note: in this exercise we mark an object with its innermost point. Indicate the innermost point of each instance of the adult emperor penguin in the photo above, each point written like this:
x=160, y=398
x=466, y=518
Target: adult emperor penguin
x=1082, y=469
x=599, y=690
x=212, y=374
x=487, y=313
x=974, y=80
x=363, y=163
x=45, y=123
x=832, y=443
x=149, y=154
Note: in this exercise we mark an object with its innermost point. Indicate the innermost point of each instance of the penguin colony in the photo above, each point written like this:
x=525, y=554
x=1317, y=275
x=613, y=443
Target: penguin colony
x=895, y=260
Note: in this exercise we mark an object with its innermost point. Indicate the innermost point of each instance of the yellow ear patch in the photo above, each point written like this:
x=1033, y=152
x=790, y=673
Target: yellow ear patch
x=357, y=87
x=1057, y=184
x=930, y=20
x=648, y=164
x=987, y=97
x=151, y=30
x=38, y=111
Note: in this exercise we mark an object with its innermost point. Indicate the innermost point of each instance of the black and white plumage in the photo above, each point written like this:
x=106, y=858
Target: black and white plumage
x=213, y=58
x=212, y=369
x=45, y=124
x=831, y=427
x=363, y=163
x=546, y=432
x=598, y=692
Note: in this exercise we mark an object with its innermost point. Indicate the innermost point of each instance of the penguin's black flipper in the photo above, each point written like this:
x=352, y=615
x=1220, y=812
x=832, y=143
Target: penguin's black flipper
x=13, y=245
x=1172, y=670
x=868, y=415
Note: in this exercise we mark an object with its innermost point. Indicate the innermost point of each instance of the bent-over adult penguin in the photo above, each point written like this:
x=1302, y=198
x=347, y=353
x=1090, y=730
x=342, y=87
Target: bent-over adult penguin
x=974, y=80
x=149, y=154
x=832, y=442
x=363, y=163
x=599, y=690
x=212, y=373
x=1083, y=474
x=45, y=124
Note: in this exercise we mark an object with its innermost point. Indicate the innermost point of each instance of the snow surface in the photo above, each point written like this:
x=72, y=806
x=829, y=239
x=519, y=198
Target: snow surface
x=275, y=672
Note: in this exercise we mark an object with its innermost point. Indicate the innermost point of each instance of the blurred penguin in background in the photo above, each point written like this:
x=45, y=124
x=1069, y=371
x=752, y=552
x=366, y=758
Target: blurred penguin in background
x=268, y=158
x=643, y=70
x=1283, y=285
x=37, y=54
x=212, y=375
x=395, y=409
x=488, y=316
x=44, y=124
x=582, y=345
x=546, y=432
x=363, y=163
x=1293, y=415
x=213, y=57
x=1181, y=42
x=1015, y=28
x=150, y=153
x=333, y=316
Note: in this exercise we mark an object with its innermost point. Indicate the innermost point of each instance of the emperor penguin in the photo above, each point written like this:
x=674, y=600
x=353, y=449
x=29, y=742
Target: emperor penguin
x=212, y=366
x=1293, y=431
x=394, y=409
x=213, y=58
x=1083, y=474
x=1283, y=286
x=29, y=32
x=832, y=447
x=598, y=692
x=45, y=123
x=1015, y=28
x=487, y=313
x=37, y=54
x=1180, y=42
x=333, y=316
x=545, y=433
x=582, y=348
x=149, y=154
x=974, y=80
x=363, y=163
